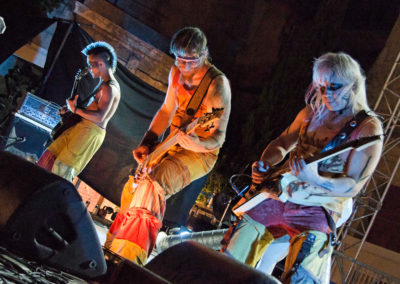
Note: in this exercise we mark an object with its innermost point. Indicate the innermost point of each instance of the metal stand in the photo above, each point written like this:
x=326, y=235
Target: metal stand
x=369, y=201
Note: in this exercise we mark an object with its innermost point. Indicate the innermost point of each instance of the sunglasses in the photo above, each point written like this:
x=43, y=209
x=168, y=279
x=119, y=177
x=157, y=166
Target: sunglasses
x=193, y=61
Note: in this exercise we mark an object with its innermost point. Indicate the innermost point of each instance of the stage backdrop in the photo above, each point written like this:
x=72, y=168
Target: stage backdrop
x=108, y=170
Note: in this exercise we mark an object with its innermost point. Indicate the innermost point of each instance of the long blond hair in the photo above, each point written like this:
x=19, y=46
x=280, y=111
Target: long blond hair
x=345, y=68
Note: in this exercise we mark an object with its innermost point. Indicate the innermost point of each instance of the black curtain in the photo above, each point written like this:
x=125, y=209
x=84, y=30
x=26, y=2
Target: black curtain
x=20, y=29
x=108, y=171
x=64, y=59
x=109, y=168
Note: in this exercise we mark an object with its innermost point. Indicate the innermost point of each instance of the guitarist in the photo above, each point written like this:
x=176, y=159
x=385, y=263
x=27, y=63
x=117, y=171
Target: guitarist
x=309, y=206
x=134, y=231
x=69, y=153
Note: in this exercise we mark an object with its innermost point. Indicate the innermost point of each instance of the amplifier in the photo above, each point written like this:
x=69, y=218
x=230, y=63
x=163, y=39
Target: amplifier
x=27, y=132
x=40, y=112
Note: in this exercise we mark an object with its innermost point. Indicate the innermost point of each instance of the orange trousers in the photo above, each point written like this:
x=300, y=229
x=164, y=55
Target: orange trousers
x=134, y=231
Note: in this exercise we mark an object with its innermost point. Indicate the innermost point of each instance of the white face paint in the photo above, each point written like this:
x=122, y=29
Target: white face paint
x=335, y=93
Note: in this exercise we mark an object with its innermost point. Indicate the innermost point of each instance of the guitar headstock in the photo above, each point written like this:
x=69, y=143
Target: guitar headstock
x=81, y=73
x=210, y=116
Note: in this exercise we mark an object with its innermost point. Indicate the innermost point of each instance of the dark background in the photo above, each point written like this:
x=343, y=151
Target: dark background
x=266, y=48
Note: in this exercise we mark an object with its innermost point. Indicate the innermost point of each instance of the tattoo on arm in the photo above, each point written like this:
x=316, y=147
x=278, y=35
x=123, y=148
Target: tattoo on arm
x=363, y=170
x=327, y=185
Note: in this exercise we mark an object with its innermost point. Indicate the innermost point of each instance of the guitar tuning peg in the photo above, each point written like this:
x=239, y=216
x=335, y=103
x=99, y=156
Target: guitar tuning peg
x=209, y=127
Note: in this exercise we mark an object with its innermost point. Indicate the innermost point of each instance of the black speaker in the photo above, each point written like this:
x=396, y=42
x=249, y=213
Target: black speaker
x=42, y=217
x=190, y=262
x=121, y=270
x=25, y=137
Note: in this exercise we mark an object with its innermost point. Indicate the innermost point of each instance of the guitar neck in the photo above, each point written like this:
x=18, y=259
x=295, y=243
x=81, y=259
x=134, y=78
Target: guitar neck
x=171, y=140
x=358, y=144
x=162, y=148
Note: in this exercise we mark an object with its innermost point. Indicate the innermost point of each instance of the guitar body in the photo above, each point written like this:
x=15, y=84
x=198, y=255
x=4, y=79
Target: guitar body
x=258, y=193
x=159, y=152
x=284, y=184
x=68, y=120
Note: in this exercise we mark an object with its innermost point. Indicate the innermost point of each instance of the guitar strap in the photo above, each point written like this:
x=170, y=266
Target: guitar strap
x=345, y=132
x=340, y=138
x=199, y=95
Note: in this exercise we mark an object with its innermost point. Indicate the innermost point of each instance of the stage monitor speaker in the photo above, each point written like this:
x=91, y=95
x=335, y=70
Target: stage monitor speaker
x=42, y=217
x=121, y=270
x=190, y=262
x=25, y=138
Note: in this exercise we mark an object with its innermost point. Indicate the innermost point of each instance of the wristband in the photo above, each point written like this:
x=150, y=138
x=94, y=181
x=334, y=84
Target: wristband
x=149, y=139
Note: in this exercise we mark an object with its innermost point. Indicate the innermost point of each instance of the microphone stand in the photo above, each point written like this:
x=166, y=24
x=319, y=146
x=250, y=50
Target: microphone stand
x=16, y=141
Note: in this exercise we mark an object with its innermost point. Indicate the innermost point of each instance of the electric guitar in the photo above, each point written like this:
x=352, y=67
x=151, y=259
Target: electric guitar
x=69, y=119
x=162, y=148
x=278, y=180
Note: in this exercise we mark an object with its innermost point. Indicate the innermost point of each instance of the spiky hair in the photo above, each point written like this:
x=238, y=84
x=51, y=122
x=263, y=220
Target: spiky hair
x=104, y=50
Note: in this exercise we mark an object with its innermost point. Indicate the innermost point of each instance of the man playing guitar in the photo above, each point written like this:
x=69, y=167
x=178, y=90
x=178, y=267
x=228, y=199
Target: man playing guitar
x=70, y=152
x=309, y=205
x=134, y=231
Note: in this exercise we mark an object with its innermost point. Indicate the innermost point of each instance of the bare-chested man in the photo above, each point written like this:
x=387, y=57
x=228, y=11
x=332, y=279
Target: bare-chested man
x=69, y=153
x=316, y=193
x=134, y=231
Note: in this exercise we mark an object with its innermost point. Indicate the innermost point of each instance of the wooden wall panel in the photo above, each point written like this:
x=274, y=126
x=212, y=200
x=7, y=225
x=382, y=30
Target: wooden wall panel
x=142, y=59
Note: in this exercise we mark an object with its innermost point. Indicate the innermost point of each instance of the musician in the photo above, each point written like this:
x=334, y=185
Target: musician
x=69, y=153
x=134, y=231
x=306, y=209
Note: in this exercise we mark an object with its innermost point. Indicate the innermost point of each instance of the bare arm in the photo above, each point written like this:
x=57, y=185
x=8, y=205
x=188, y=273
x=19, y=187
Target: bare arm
x=104, y=106
x=278, y=148
x=218, y=96
x=360, y=166
x=161, y=120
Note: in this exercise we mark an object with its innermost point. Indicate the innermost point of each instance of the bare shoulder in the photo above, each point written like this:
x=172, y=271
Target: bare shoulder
x=220, y=89
x=370, y=126
x=172, y=73
x=305, y=114
x=116, y=89
x=110, y=91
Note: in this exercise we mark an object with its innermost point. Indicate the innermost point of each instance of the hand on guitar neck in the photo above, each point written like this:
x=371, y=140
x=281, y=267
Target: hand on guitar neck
x=140, y=154
x=69, y=107
x=72, y=103
x=147, y=159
